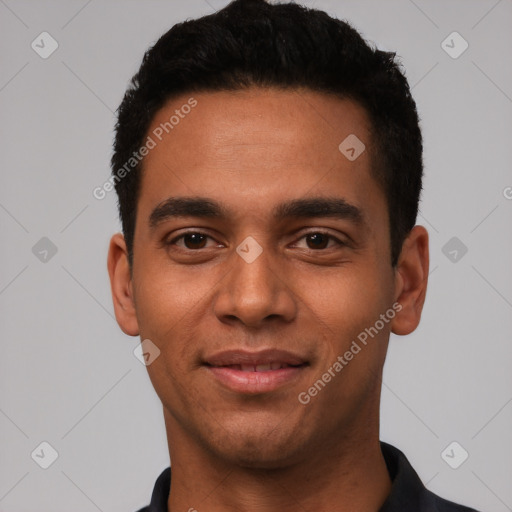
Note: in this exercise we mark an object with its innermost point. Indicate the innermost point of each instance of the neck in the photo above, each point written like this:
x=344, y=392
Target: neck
x=349, y=474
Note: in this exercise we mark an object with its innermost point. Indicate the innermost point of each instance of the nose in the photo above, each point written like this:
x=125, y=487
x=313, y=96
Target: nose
x=255, y=293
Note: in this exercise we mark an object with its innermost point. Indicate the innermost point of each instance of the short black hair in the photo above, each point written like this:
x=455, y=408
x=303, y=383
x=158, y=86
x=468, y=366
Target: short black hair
x=251, y=43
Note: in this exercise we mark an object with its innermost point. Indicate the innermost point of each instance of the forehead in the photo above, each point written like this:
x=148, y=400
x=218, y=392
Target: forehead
x=258, y=145
x=310, y=121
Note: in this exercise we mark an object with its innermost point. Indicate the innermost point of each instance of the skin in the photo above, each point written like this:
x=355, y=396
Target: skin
x=252, y=150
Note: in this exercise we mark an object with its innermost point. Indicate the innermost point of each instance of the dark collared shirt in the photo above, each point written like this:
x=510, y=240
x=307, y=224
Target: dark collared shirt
x=408, y=494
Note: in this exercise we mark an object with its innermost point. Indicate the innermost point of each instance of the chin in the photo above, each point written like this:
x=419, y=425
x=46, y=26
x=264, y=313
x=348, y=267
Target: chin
x=256, y=458
x=268, y=448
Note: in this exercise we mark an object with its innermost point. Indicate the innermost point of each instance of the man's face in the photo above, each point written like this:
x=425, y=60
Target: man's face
x=323, y=275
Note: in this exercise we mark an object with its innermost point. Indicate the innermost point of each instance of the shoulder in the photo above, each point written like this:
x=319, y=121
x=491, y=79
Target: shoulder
x=408, y=491
x=442, y=505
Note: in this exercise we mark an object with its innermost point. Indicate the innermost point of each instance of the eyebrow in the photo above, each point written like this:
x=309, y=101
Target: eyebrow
x=332, y=207
x=186, y=207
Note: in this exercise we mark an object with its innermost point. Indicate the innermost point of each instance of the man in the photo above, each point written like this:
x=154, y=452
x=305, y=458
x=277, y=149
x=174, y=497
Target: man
x=268, y=164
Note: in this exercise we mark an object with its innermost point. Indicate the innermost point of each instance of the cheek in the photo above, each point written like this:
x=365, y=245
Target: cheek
x=165, y=295
x=168, y=305
x=350, y=359
x=348, y=295
x=354, y=349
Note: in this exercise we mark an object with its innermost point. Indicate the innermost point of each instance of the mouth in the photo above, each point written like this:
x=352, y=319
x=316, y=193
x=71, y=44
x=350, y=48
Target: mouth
x=264, y=367
x=255, y=372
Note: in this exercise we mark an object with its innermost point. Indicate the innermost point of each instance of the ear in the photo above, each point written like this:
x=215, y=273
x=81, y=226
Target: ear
x=121, y=285
x=411, y=276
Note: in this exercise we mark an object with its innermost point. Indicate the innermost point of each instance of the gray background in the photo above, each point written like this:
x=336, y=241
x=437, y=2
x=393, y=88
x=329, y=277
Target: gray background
x=68, y=374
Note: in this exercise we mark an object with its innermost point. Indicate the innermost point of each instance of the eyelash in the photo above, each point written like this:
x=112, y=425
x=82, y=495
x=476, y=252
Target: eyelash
x=316, y=232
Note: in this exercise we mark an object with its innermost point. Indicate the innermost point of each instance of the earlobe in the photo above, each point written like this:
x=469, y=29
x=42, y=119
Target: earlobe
x=121, y=285
x=411, y=277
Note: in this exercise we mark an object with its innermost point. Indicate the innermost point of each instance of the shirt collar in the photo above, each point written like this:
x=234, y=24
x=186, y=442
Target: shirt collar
x=407, y=490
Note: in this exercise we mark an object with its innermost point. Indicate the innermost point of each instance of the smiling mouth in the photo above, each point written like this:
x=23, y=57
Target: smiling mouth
x=259, y=367
x=255, y=372
x=244, y=372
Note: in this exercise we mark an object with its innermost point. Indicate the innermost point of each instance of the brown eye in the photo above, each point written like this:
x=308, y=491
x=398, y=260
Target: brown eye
x=191, y=241
x=194, y=240
x=317, y=240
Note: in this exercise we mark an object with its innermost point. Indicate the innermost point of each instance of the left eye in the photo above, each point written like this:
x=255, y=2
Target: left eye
x=319, y=240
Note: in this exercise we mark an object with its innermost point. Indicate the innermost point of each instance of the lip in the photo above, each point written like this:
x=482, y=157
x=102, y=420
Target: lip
x=233, y=357
x=226, y=368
